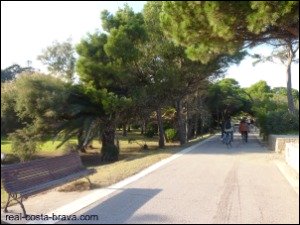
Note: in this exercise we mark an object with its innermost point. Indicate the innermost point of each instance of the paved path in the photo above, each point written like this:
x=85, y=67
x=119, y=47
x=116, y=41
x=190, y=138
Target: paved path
x=211, y=184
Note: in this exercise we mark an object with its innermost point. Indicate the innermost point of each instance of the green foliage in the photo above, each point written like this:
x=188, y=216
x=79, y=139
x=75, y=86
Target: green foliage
x=284, y=14
x=282, y=91
x=34, y=103
x=134, y=62
x=210, y=28
x=285, y=53
x=150, y=133
x=83, y=116
x=59, y=59
x=226, y=98
x=9, y=118
x=266, y=99
x=171, y=134
x=195, y=26
x=38, y=95
x=32, y=99
x=270, y=108
x=260, y=87
x=95, y=68
x=126, y=32
x=151, y=130
x=24, y=144
x=279, y=122
x=261, y=96
x=12, y=71
x=119, y=46
x=105, y=66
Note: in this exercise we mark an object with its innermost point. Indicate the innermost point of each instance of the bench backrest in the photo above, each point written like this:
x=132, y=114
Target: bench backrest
x=20, y=176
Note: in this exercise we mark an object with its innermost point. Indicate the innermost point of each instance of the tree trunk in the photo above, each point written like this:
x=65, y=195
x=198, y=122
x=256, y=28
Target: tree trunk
x=187, y=123
x=161, y=141
x=124, y=131
x=294, y=31
x=143, y=127
x=181, y=123
x=200, y=126
x=109, y=151
x=80, y=142
x=289, y=86
x=194, y=126
x=191, y=120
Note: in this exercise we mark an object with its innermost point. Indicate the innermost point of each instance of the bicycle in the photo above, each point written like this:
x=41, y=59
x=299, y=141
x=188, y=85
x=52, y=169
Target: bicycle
x=244, y=137
x=227, y=139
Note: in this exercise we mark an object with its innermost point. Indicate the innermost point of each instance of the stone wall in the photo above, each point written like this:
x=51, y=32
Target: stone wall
x=292, y=155
x=277, y=142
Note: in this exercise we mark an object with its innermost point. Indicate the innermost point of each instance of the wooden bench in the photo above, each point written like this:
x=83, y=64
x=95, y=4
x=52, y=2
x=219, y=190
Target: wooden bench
x=20, y=180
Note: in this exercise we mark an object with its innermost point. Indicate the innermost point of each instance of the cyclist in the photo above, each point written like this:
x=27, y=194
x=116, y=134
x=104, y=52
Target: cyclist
x=228, y=128
x=222, y=130
x=244, y=129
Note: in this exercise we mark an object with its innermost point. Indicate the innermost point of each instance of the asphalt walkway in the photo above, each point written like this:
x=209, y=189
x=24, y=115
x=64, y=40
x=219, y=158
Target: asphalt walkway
x=209, y=184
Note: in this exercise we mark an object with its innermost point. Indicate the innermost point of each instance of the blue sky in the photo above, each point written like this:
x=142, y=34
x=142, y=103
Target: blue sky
x=29, y=27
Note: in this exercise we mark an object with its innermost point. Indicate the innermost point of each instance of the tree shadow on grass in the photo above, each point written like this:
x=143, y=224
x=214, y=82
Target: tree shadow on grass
x=3, y=142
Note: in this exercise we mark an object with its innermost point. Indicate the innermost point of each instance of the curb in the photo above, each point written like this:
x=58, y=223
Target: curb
x=291, y=176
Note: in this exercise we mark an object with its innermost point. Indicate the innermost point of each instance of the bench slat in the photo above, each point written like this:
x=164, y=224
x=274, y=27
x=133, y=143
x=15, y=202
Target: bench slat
x=44, y=161
x=41, y=173
x=55, y=183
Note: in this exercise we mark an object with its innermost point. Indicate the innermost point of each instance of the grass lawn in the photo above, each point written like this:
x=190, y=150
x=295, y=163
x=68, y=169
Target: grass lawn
x=48, y=147
x=132, y=159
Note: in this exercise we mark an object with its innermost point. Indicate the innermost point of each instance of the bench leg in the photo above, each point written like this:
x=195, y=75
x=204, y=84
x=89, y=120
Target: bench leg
x=20, y=201
x=15, y=197
x=89, y=180
x=91, y=185
x=22, y=206
x=8, y=201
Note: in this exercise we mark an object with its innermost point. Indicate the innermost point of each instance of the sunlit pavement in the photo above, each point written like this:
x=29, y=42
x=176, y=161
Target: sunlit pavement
x=211, y=184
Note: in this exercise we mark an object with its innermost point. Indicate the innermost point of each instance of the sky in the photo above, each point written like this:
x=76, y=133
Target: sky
x=273, y=73
x=29, y=27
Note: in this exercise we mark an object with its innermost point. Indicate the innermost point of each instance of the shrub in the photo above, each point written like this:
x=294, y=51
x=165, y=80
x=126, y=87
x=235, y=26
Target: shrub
x=171, y=134
x=135, y=126
x=23, y=144
x=279, y=122
x=151, y=130
x=149, y=134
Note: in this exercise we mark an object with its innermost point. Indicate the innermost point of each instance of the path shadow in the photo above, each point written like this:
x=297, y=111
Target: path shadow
x=120, y=208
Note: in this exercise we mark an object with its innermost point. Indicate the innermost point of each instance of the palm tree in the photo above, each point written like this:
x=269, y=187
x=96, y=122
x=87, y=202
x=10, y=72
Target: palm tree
x=84, y=116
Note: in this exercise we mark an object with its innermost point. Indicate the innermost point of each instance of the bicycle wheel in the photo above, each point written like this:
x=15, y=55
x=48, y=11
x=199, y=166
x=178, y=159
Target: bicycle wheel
x=244, y=137
x=228, y=140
